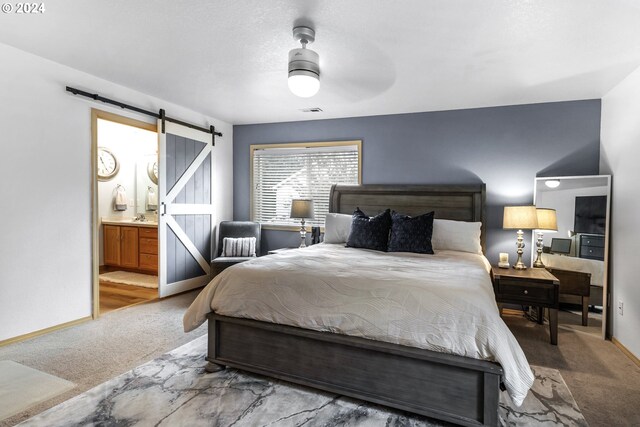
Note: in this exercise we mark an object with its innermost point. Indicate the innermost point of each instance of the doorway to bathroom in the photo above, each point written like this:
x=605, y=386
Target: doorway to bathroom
x=125, y=211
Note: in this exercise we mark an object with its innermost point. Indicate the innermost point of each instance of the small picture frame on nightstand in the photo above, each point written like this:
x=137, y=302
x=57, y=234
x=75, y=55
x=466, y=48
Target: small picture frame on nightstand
x=504, y=260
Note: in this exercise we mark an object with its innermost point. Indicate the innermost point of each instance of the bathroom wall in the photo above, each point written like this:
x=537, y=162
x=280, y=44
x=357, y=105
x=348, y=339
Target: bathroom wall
x=45, y=170
x=128, y=144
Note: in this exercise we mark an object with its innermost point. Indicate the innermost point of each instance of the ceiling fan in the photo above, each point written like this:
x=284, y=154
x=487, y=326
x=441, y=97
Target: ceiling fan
x=352, y=72
x=304, y=68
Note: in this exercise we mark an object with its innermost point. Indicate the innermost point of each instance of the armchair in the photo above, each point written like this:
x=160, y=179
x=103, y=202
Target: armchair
x=235, y=229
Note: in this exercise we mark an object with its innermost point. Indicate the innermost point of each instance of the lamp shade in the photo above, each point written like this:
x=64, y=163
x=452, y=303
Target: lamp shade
x=547, y=219
x=301, y=208
x=520, y=218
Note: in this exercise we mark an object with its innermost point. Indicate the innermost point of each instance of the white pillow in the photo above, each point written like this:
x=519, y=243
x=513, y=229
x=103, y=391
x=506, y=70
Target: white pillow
x=239, y=247
x=456, y=236
x=337, y=228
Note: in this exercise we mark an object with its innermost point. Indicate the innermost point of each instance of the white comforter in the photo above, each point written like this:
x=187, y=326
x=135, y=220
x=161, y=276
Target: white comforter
x=443, y=302
x=592, y=266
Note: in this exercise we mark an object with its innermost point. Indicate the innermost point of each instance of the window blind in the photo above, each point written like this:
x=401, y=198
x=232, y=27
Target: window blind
x=281, y=174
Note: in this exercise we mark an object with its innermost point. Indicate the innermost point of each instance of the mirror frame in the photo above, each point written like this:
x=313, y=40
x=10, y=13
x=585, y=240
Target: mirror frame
x=606, y=291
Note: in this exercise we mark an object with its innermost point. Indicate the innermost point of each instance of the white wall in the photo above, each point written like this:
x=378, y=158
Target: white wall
x=45, y=194
x=128, y=144
x=620, y=157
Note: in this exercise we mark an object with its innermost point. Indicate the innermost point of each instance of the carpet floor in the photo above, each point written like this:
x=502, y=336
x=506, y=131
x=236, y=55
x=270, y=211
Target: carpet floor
x=603, y=381
x=96, y=351
x=175, y=390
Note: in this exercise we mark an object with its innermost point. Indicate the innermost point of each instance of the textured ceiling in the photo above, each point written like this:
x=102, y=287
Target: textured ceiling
x=228, y=58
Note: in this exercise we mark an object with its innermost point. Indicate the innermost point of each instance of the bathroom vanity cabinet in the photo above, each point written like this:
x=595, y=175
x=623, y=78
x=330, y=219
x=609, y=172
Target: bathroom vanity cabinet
x=131, y=247
x=148, y=249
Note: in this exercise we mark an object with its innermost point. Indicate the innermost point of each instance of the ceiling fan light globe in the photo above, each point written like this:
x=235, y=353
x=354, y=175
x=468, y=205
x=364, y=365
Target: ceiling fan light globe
x=304, y=72
x=303, y=84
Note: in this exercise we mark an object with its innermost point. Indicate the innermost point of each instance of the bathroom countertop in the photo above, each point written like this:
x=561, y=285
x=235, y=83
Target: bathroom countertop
x=126, y=221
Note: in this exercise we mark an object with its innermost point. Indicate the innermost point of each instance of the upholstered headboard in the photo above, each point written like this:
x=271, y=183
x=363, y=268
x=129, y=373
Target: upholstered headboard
x=457, y=202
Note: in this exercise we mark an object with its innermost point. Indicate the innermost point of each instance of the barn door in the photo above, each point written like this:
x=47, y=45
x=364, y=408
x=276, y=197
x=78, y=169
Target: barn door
x=185, y=209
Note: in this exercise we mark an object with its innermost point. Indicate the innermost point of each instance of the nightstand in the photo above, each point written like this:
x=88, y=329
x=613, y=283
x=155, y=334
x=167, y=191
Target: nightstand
x=534, y=286
x=279, y=251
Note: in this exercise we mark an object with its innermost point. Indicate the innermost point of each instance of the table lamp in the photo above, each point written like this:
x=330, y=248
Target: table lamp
x=547, y=221
x=302, y=209
x=520, y=218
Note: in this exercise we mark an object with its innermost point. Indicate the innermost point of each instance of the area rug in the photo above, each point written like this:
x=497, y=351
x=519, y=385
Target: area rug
x=128, y=278
x=174, y=390
x=22, y=387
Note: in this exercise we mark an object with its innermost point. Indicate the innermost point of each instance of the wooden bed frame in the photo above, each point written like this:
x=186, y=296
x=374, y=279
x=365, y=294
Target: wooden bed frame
x=448, y=387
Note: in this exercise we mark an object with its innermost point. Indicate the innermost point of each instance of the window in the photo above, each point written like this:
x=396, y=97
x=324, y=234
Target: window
x=281, y=172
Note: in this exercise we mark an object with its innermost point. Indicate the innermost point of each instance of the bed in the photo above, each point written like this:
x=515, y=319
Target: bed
x=352, y=356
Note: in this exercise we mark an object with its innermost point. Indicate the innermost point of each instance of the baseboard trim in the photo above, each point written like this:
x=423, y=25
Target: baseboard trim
x=625, y=350
x=34, y=334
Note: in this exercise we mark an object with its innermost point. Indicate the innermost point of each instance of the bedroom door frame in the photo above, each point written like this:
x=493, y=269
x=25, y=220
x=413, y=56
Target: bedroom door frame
x=95, y=213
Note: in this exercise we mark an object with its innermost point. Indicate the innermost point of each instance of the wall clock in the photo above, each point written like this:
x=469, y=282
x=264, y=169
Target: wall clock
x=152, y=171
x=108, y=164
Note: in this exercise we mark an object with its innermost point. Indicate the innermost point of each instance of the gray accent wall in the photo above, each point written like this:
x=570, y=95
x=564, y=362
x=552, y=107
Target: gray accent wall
x=504, y=147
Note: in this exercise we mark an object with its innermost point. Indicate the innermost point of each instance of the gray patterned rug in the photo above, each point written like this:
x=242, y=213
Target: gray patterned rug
x=174, y=390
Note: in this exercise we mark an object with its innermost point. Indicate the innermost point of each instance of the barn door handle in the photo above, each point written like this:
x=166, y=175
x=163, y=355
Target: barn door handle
x=163, y=209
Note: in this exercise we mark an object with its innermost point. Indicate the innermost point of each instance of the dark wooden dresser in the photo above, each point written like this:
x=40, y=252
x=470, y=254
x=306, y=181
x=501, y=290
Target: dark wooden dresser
x=592, y=246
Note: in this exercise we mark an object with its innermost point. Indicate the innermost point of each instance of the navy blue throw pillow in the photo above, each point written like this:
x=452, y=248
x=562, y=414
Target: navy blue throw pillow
x=369, y=233
x=411, y=234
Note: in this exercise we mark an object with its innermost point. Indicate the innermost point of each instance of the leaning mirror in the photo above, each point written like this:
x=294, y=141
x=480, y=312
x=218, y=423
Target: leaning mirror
x=147, y=185
x=576, y=253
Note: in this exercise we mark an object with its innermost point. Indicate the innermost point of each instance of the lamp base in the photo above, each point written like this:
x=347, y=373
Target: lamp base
x=303, y=235
x=519, y=265
x=538, y=262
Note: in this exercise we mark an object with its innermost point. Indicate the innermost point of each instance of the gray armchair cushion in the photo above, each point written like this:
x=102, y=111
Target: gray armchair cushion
x=229, y=260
